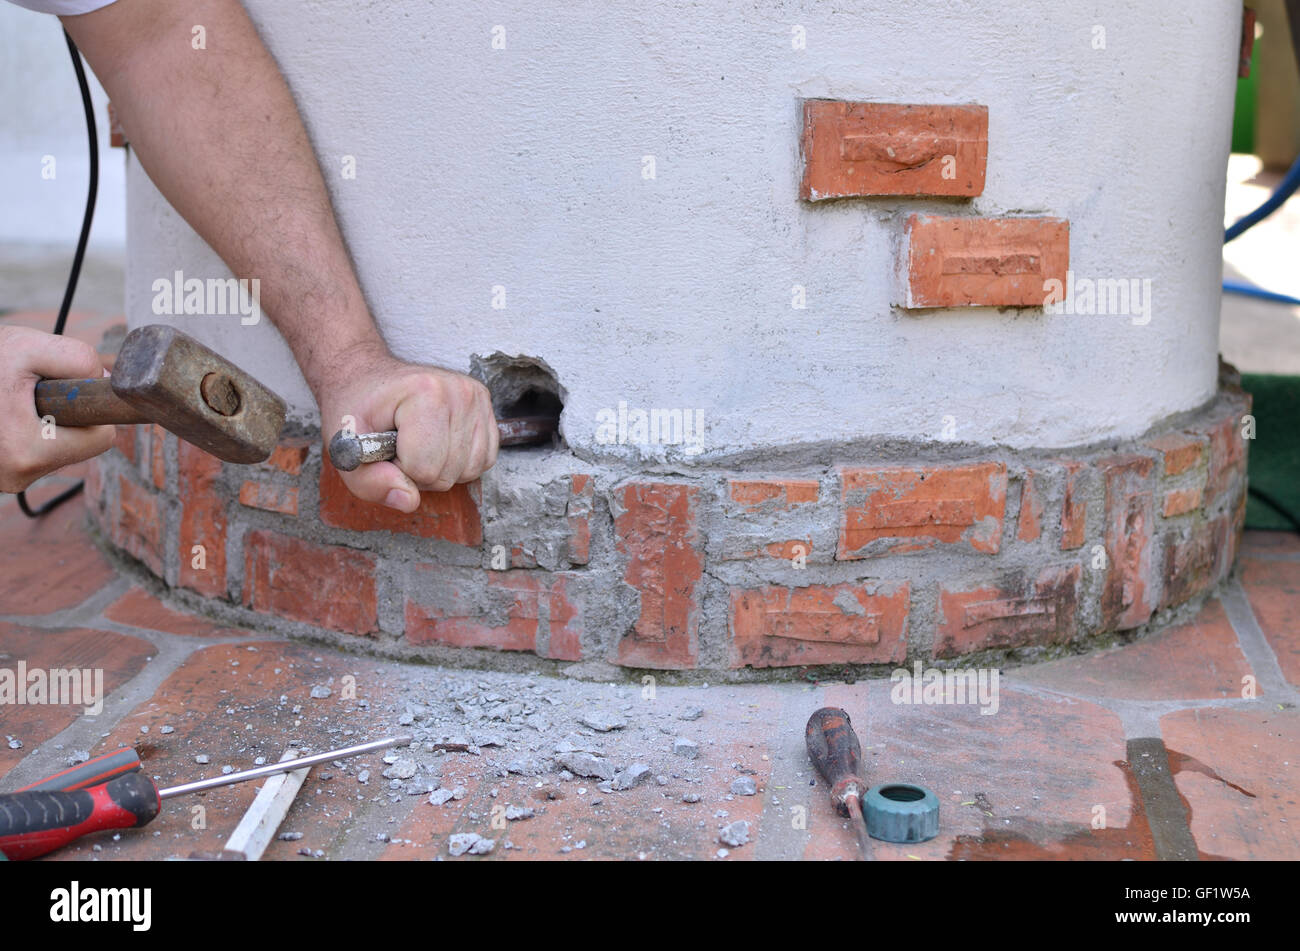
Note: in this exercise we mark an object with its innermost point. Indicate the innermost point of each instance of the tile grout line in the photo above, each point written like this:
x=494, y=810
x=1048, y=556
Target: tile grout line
x=1250, y=636
x=1171, y=835
x=80, y=614
x=85, y=731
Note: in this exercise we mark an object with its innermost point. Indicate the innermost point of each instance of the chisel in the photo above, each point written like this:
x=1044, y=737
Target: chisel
x=348, y=450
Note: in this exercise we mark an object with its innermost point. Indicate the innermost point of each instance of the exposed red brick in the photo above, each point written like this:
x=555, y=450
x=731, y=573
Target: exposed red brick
x=1126, y=601
x=157, y=459
x=911, y=509
x=881, y=148
x=272, y=498
x=124, y=441
x=1231, y=528
x=1189, y=563
x=784, y=493
x=1181, y=501
x=95, y=488
x=656, y=533
x=289, y=455
x=138, y=529
x=1074, y=510
x=202, y=522
x=1181, y=452
x=984, y=262
x=1227, y=455
x=116, y=134
x=1247, y=43
x=578, y=512
x=777, y=626
x=324, y=585
x=1009, y=614
x=1031, y=508
x=506, y=613
x=452, y=515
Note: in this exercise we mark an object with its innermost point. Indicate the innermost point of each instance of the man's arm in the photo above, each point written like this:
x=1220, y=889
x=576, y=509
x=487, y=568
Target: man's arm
x=218, y=132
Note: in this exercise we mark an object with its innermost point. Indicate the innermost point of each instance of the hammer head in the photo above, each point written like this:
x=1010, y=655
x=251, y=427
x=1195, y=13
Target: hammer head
x=199, y=395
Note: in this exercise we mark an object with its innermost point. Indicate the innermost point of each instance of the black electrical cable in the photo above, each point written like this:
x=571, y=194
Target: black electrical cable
x=71, y=289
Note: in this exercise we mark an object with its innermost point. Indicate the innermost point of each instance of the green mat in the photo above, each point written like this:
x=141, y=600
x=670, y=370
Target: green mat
x=1275, y=451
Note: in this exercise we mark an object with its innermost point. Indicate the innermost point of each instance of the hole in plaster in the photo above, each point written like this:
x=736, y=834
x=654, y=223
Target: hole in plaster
x=520, y=386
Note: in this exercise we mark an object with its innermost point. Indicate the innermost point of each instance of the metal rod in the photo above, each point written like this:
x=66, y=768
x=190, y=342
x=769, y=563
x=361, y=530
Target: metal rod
x=284, y=766
x=859, y=827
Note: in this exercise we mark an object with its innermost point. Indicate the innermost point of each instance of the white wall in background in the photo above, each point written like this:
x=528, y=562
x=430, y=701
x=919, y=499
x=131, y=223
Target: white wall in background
x=41, y=114
x=523, y=168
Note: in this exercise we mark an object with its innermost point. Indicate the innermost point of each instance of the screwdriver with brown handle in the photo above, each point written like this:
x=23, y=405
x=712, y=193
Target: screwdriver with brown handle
x=38, y=821
x=835, y=751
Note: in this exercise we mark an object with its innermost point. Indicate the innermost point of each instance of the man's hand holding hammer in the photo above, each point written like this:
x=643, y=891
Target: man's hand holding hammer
x=217, y=131
x=27, y=356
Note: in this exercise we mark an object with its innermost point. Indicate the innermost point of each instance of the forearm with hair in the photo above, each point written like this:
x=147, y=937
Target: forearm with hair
x=219, y=134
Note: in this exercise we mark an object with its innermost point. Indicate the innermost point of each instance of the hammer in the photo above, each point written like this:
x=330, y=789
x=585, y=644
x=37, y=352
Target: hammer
x=166, y=377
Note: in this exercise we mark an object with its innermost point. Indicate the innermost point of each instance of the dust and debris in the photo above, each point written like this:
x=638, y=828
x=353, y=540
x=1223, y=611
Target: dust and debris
x=744, y=786
x=602, y=722
x=634, y=775
x=584, y=764
x=471, y=843
x=401, y=768
x=684, y=747
x=734, y=834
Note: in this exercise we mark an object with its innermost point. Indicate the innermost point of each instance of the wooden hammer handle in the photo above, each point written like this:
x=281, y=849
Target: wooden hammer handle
x=84, y=403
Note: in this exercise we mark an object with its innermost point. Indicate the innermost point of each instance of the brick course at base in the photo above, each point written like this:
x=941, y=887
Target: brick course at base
x=935, y=555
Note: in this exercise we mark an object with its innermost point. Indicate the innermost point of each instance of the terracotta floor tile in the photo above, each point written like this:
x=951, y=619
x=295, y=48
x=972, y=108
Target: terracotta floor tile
x=1239, y=776
x=1197, y=660
x=1022, y=783
x=1273, y=588
x=82, y=325
x=118, y=656
x=49, y=563
x=1271, y=543
x=195, y=700
x=139, y=608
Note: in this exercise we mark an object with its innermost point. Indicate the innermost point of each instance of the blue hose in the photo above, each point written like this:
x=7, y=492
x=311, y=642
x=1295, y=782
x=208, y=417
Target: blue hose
x=1274, y=201
x=1250, y=290
x=1284, y=190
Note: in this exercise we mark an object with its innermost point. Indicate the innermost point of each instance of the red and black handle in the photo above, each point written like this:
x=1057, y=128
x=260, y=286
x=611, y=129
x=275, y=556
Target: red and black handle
x=835, y=751
x=40, y=821
x=92, y=772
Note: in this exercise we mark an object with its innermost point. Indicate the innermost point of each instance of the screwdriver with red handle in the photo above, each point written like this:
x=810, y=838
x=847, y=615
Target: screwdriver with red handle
x=93, y=772
x=835, y=751
x=40, y=820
